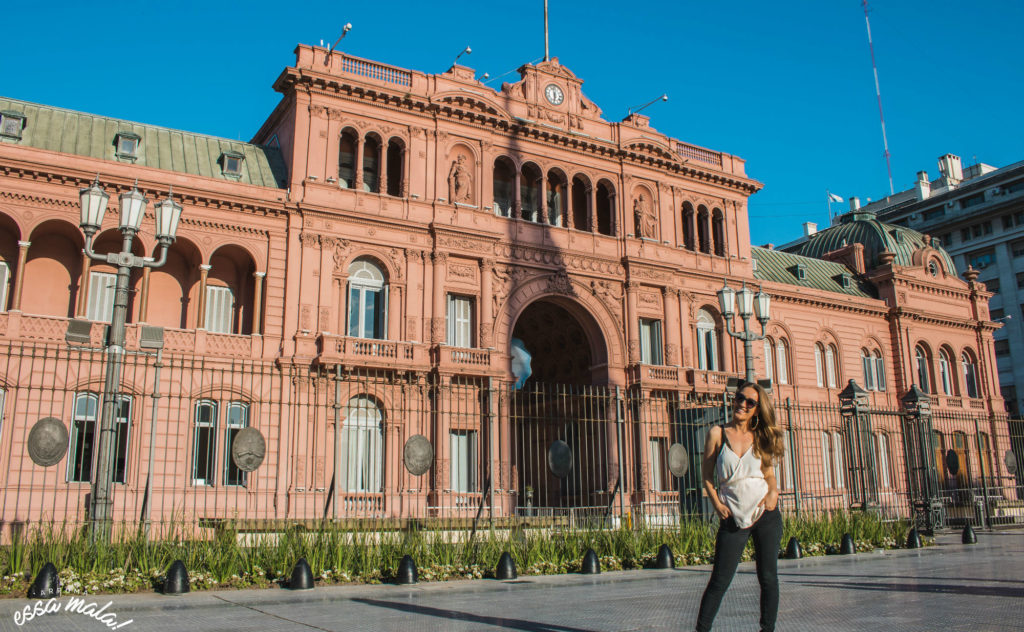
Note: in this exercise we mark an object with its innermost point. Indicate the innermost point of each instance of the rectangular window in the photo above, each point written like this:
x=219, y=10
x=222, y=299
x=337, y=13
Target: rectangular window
x=781, y=364
x=102, y=287
x=982, y=259
x=366, y=311
x=992, y=285
x=837, y=459
x=1007, y=222
x=204, y=448
x=659, y=469
x=1020, y=280
x=935, y=213
x=237, y=418
x=826, y=465
x=5, y=276
x=83, y=433
x=768, y=373
x=460, y=321
x=463, y=445
x=11, y=124
x=994, y=314
x=1018, y=248
x=974, y=200
x=220, y=309
x=1002, y=347
x=880, y=373
x=965, y=234
x=883, y=460
x=122, y=427
x=650, y=341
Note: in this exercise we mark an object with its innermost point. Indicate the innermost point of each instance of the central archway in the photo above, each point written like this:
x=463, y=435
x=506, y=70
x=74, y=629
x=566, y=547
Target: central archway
x=563, y=350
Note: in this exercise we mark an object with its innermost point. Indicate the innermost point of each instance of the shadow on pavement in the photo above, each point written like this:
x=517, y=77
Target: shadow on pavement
x=515, y=624
x=978, y=591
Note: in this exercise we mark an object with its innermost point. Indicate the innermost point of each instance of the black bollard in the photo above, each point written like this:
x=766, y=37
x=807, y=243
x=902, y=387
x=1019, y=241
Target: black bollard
x=47, y=584
x=506, y=567
x=847, y=546
x=665, y=558
x=793, y=550
x=407, y=573
x=968, y=536
x=302, y=576
x=176, y=582
x=591, y=565
x=913, y=539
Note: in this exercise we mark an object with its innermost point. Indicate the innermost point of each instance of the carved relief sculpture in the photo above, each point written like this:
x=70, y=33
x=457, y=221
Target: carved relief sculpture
x=460, y=182
x=646, y=221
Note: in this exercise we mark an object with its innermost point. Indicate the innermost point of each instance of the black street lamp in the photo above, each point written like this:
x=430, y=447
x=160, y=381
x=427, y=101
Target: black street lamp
x=132, y=207
x=747, y=304
x=921, y=473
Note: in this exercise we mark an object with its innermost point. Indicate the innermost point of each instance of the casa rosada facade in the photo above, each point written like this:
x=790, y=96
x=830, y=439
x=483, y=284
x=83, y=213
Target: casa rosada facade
x=385, y=222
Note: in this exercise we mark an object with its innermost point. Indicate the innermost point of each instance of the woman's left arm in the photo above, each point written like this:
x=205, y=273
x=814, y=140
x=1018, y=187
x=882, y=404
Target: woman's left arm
x=771, y=499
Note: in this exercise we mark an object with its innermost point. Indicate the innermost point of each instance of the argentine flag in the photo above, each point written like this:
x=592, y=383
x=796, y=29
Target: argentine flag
x=520, y=362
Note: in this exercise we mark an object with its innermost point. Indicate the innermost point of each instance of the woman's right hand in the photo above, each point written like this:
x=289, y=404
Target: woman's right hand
x=723, y=511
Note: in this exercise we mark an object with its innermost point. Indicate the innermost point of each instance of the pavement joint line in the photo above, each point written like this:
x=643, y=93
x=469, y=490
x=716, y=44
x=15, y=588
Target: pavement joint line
x=271, y=614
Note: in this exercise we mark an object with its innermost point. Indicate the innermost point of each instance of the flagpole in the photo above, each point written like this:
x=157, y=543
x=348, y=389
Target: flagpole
x=828, y=198
x=547, y=55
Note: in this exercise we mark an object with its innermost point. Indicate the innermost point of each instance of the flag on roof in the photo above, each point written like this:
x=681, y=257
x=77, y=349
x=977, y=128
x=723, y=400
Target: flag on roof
x=832, y=197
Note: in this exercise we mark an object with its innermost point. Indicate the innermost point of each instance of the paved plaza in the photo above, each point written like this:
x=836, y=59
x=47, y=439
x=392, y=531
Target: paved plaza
x=948, y=587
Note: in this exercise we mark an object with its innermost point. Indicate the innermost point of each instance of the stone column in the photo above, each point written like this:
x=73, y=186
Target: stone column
x=382, y=172
x=19, y=278
x=486, y=304
x=632, y=322
x=671, y=299
x=437, y=309
x=204, y=271
x=257, y=302
x=591, y=207
x=144, y=299
x=517, y=196
x=359, y=164
x=542, y=212
x=83, y=292
x=395, y=310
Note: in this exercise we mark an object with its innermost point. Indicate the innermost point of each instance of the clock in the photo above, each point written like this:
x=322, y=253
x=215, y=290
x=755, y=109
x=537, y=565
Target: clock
x=554, y=94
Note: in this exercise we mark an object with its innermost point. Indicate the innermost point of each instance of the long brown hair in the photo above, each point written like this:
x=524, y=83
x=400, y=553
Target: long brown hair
x=768, y=444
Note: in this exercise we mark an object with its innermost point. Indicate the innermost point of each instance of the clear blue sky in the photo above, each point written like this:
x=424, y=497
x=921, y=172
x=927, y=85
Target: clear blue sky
x=785, y=85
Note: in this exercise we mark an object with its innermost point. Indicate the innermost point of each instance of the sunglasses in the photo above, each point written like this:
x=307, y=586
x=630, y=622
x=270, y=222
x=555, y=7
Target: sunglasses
x=742, y=400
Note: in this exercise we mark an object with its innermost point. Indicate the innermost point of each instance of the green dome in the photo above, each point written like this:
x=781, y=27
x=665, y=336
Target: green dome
x=861, y=227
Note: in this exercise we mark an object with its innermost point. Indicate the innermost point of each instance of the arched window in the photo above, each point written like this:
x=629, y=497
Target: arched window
x=703, y=230
x=557, y=198
x=783, y=467
x=769, y=348
x=945, y=372
x=347, y=158
x=362, y=441
x=85, y=431
x=395, y=166
x=782, y=361
x=367, y=300
x=718, y=232
x=605, y=200
x=581, y=203
x=879, y=371
x=707, y=342
x=923, y=372
x=688, y=227
x=869, y=369
x=371, y=163
x=831, y=369
x=970, y=369
x=504, y=186
x=530, y=192
x=819, y=364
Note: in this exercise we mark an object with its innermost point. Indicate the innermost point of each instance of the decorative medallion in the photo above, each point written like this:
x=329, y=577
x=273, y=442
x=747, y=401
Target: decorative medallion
x=47, y=441
x=678, y=460
x=1011, y=463
x=248, y=449
x=419, y=455
x=560, y=458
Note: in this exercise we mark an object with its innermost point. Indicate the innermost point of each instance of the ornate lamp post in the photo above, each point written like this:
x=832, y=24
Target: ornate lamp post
x=747, y=304
x=923, y=482
x=132, y=207
x=860, y=451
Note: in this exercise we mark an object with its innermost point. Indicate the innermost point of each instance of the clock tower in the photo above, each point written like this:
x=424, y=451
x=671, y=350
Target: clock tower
x=553, y=95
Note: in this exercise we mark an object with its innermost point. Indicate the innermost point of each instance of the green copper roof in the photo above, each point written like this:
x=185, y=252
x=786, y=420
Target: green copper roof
x=864, y=228
x=784, y=267
x=71, y=132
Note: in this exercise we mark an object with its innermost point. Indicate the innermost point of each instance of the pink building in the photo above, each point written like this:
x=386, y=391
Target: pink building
x=353, y=277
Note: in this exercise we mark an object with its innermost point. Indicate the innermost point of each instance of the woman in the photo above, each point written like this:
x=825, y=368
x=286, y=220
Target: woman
x=741, y=453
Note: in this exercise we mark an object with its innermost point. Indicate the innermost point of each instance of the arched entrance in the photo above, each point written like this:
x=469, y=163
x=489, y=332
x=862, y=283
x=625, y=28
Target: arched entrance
x=563, y=417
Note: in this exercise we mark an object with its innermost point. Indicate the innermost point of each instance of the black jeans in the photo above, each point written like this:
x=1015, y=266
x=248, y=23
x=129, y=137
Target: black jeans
x=767, y=532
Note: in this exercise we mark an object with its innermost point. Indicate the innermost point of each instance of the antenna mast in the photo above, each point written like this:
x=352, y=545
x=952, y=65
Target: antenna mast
x=878, y=93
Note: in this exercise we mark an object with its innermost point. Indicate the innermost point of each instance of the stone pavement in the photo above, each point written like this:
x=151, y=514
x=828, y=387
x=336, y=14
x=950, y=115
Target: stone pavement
x=947, y=587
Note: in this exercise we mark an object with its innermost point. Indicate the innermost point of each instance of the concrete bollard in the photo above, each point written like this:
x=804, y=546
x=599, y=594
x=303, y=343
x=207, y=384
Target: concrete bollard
x=46, y=584
x=302, y=576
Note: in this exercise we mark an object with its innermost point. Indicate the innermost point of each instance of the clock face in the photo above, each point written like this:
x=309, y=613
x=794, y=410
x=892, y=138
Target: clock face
x=554, y=94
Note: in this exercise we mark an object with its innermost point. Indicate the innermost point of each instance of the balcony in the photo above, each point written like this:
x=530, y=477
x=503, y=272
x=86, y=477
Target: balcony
x=463, y=360
x=711, y=380
x=654, y=375
x=368, y=352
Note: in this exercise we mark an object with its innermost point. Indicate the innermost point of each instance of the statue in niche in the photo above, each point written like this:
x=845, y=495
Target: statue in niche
x=643, y=215
x=460, y=182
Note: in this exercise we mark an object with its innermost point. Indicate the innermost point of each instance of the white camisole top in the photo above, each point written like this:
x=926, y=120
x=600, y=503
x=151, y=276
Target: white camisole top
x=741, y=484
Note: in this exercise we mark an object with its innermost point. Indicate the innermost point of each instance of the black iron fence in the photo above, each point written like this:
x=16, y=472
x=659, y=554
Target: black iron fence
x=264, y=446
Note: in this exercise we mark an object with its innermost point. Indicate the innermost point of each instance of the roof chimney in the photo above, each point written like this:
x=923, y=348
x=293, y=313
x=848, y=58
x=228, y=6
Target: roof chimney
x=949, y=167
x=854, y=203
x=810, y=228
x=923, y=187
